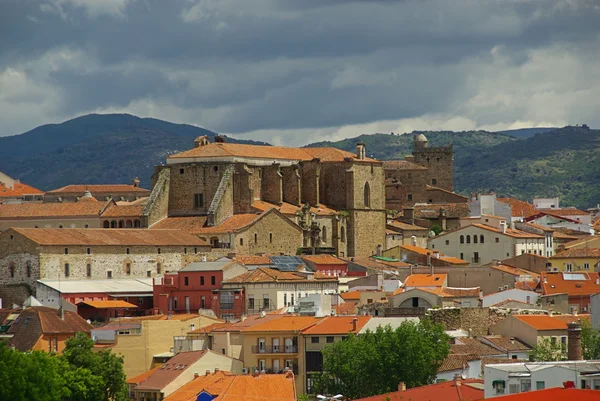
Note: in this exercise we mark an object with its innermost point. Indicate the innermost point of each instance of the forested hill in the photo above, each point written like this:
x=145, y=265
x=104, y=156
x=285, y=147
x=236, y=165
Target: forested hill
x=561, y=162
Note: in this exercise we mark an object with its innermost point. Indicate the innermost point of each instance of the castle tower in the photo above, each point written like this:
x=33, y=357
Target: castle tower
x=438, y=160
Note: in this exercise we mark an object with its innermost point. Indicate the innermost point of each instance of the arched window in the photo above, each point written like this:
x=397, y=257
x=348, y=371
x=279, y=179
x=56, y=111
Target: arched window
x=121, y=224
x=462, y=239
x=137, y=224
x=343, y=234
x=474, y=239
x=11, y=269
x=324, y=234
x=468, y=239
x=129, y=224
x=28, y=268
x=367, y=194
x=113, y=224
x=481, y=239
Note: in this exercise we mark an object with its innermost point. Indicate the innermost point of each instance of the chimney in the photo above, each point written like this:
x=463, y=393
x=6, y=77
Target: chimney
x=361, y=150
x=354, y=324
x=207, y=372
x=216, y=370
x=196, y=375
x=598, y=280
x=436, y=254
x=574, y=341
x=503, y=227
x=408, y=215
x=401, y=386
x=289, y=374
x=219, y=139
x=413, y=240
x=545, y=280
x=136, y=182
x=201, y=141
x=61, y=312
x=457, y=379
x=192, y=327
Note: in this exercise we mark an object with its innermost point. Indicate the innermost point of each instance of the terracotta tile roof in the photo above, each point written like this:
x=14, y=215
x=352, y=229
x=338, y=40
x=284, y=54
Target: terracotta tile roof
x=539, y=227
x=250, y=321
x=171, y=370
x=18, y=190
x=284, y=323
x=254, y=388
x=515, y=271
x=142, y=376
x=337, y=325
x=469, y=390
x=518, y=207
x=401, y=165
x=553, y=394
x=266, y=275
x=507, y=344
x=559, y=235
x=346, y=308
x=395, y=224
x=509, y=231
x=324, y=260
x=124, y=211
x=432, y=211
x=289, y=209
x=210, y=328
x=426, y=280
x=267, y=152
x=109, y=237
x=545, y=322
x=568, y=211
x=582, y=241
x=433, y=188
x=527, y=285
x=58, y=209
x=36, y=321
x=190, y=391
x=375, y=264
x=453, y=292
x=578, y=253
x=350, y=295
x=107, y=304
x=190, y=224
x=578, y=283
x=423, y=252
x=472, y=347
x=110, y=188
x=253, y=260
x=513, y=304
x=539, y=214
x=456, y=362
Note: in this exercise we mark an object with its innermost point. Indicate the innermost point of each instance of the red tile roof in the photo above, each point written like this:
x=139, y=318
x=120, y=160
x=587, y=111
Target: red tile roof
x=472, y=347
x=250, y=321
x=124, y=211
x=568, y=211
x=553, y=394
x=289, y=209
x=171, y=370
x=507, y=344
x=394, y=224
x=267, y=152
x=284, y=323
x=210, y=328
x=424, y=251
x=518, y=207
x=58, y=209
x=578, y=253
x=350, y=295
x=108, y=237
x=324, y=260
x=583, y=283
x=94, y=188
x=142, y=376
x=456, y=362
x=546, y=322
x=19, y=189
x=468, y=390
x=278, y=387
x=509, y=231
x=337, y=325
x=516, y=271
x=190, y=391
x=346, y=308
x=253, y=260
x=426, y=280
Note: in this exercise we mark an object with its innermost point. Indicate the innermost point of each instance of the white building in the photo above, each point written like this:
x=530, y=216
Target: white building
x=480, y=244
x=514, y=294
x=487, y=204
x=502, y=379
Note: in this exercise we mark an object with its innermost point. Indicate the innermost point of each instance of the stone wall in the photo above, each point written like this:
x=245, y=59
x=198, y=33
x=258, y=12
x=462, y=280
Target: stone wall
x=366, y=231
x=292, y=185
x=242, y=194
x=272, y=184
x=407, y=182
x=15, y=294
x=332, y=185
x=310, y=182
x=186, y=180
x=18, y=251
x=439, y=163
x=157, y=207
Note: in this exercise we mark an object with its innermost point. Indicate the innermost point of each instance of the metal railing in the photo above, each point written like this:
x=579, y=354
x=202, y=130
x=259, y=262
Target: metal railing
x=274, y=349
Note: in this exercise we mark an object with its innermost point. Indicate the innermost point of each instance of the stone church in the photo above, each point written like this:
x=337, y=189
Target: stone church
x=424, y=177
x=267, y=199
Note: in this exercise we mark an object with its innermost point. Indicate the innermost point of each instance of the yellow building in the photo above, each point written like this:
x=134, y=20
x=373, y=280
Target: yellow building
x=576, y=259
x=277, y=344
x=146, y=342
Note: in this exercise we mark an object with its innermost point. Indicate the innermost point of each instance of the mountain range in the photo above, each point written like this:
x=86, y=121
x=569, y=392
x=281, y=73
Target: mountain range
x=114, y=148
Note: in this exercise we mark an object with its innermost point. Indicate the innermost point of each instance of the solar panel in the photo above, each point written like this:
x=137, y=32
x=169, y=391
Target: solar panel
x=286, y=263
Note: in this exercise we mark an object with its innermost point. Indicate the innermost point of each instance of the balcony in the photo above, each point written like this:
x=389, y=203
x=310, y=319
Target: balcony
x=275, y=349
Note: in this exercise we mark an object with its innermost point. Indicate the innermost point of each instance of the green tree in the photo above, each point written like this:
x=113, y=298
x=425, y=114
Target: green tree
x=375, y=362
x=547, y=350
x=590, y=341
x=436, y=228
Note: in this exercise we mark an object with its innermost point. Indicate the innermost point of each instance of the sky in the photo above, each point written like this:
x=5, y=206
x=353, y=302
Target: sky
x=292, y=72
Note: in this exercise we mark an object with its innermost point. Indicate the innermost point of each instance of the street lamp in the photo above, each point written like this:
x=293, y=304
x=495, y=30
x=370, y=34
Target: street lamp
x=332, y=398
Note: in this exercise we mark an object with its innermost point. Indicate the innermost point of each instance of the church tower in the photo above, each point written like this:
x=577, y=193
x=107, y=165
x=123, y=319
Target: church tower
x=438, y=160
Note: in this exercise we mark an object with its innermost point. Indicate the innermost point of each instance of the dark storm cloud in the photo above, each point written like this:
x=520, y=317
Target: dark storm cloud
x=239, y=66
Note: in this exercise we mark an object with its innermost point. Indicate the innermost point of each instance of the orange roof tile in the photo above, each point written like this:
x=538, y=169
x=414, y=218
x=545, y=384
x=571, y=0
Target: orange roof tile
x=426, y=280
x=250, y=321
x=253, y=259
x=509, y=231
x=516, y=271
x=190, y=391
x=579, y=283
x=553, y=394
x=394, y=224
x=284, y=323
x=190, y=224
x=346, y=308
x=424, y=251
x=545, y=322
x=469, y=390
x=97, y=188
x=108, y=237
x=337, y=325
x=578, y=253
x=108, y=304
x=350, y=295
x=267, y=152
x=518, y=207
x=210, y=328
x=565, y=211
x=124, y=211
x=289, y=209
x=256, y=388
x=142, y=376
x=58, y=209
x=266, y=275
x=172, y=369
x=19, y=189
x=324, y=260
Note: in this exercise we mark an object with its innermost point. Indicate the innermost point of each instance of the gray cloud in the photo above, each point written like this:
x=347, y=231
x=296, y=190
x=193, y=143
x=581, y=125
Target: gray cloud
x=282, y=69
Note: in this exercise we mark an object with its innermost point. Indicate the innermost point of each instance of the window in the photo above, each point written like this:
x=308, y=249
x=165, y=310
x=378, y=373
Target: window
x=447, y=242
x=241, y=242
x=213, y=280
x=525, y=385
x=127, y=251
x=88, y=251
x=433, y=181
x=329, y=339
x=203, y=302
x=409, y=197
x=343, y=234
x=324, y=234
x=468, y=239
x=255, y=238
x=148, y=273
x=11, y=269
x=367, y=195
x=28, y=268
x=270, y=238
x=497, y=240
x=201, y=280
x=314, y=340
x=195, y=250
x=513, y=388
x=586, y=266
x=109, y=274
x=476, y=257
x=285, y=300
x=481, y=239
x=88, y=270
x=462, y=239
x=251, y=302
x=158, y=268
x=198, y=201
x=461, y=256
x=55, y=344
x=186, y=281
x=569, y=267
x=185, y=251
x=66, y=251
x=67, y=270
x=540, y=385
x=158, y=251
x=181, y=171
x=266, y=301
x=474, y=239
